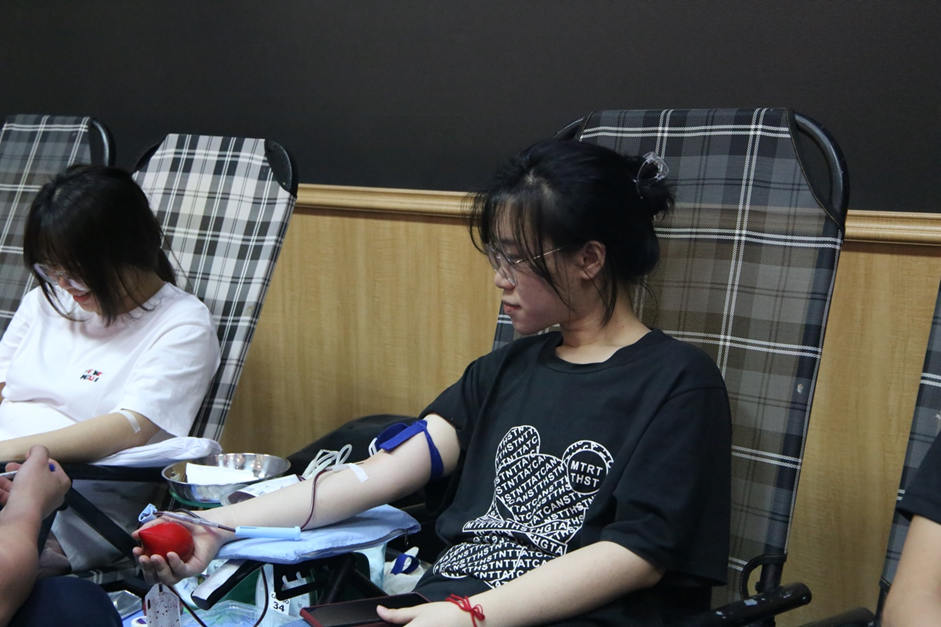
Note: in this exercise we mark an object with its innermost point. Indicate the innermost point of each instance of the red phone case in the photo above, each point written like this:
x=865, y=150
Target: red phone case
x=361, y=613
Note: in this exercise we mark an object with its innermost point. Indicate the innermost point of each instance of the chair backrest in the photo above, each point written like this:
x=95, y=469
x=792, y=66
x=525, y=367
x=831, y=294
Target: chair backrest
x=925, y=425
x=33, y=149
x=224, y=204
x=748, y=260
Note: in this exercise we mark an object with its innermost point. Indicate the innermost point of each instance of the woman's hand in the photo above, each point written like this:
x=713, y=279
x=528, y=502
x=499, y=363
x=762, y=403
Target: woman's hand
x=168, y=571
x=442, y=614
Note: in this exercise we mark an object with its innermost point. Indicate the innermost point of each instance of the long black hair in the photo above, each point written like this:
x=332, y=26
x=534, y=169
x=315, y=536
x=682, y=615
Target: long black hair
x=563, y=194
x=95, y=223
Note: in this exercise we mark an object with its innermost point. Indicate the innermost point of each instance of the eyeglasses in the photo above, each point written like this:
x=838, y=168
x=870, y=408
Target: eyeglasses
x=507, y=267
x=49, y=275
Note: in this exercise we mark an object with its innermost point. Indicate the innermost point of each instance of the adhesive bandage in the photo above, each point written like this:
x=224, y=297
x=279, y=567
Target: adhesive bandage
x=131, y=418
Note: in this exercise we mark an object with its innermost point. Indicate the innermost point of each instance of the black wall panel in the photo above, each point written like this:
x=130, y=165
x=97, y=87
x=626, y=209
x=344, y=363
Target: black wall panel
x=432, y=93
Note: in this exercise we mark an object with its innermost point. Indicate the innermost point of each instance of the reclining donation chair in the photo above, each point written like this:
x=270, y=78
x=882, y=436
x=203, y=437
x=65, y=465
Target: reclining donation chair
x=921, y=437
x=748, y=260
x=33, y=149
x=224, y=204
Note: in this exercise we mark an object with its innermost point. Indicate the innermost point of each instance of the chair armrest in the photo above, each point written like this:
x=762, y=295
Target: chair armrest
x=221, y=582
x=113, y=473
x=763, y=605
x=857, y=617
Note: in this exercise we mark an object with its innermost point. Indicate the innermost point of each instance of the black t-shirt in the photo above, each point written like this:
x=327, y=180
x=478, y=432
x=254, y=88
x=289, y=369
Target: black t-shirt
x=635, y=450
x=923, y=494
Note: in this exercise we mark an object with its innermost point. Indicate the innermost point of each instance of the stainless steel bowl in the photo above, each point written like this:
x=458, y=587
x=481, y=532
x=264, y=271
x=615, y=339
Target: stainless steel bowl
x=262, y=466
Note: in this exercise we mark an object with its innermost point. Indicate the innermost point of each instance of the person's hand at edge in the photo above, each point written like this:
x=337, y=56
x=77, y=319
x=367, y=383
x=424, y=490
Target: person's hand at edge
x=38, y=479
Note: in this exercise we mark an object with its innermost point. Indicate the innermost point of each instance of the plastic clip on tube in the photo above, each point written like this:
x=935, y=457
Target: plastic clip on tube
x=282, y=533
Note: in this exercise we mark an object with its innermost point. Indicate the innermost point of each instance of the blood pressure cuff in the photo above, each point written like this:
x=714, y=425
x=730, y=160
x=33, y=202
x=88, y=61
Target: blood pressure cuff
x=395, y=435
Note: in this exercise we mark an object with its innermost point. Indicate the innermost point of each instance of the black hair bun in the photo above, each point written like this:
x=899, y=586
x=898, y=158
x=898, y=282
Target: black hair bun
x=650, y=176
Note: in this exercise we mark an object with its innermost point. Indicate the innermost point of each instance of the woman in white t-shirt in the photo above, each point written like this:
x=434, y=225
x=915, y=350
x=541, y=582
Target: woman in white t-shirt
x=107, y=354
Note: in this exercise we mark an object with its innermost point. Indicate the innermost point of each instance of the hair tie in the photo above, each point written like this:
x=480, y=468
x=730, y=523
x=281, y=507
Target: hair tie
x=662, y=171
x=464, y=603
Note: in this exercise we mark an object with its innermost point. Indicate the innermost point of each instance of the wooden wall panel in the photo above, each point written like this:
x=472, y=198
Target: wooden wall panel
x=873, y=353
x=379, y=301
x=366, y=313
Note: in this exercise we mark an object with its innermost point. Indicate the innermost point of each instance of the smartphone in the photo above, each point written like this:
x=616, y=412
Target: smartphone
x=361, y=613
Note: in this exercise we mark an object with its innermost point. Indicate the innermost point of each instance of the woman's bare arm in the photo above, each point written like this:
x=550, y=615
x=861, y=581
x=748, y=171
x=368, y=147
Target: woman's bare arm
x=915, y=597
x=569, y=585
x=339, y=495
x=85, y=441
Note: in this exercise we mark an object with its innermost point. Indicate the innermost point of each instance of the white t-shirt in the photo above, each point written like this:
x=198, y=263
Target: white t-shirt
x=157, y=360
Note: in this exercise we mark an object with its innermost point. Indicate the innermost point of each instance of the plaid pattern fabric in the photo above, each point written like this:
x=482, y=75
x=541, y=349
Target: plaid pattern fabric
x=33, y=149
x=747, y=268
x=224, y=215
x=925, y=424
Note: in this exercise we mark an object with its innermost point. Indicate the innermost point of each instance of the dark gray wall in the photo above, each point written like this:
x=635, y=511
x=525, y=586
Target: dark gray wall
x=432, y=93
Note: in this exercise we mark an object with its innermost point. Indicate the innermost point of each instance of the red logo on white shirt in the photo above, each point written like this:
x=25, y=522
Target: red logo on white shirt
x=91, y=375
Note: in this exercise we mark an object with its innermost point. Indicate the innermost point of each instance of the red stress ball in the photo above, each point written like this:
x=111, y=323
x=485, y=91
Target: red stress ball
x=167, y=537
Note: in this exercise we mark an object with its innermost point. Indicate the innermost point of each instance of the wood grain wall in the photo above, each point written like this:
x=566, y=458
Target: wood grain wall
x=371, y=310
x=379, y=301
x=873, y=354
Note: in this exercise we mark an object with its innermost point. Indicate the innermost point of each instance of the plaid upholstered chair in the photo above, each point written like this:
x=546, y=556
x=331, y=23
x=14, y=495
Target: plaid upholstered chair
x=747, y=268
x=33, y=149
x=748, y=260
x=921, y=437
x=224, y=205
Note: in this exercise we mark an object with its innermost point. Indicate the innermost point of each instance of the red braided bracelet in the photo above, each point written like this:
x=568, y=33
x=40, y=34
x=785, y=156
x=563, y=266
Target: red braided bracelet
x=465, y=604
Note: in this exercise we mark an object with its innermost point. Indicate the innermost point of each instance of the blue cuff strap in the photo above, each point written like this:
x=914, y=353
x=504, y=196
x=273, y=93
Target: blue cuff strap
x=393, y=436
x=404, y=563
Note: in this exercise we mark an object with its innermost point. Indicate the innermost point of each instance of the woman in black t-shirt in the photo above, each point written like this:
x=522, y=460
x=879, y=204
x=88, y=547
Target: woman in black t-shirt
x=594, y=461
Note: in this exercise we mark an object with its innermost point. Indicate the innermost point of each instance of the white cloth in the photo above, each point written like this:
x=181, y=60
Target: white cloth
x=157, y=360
x=162, y=453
